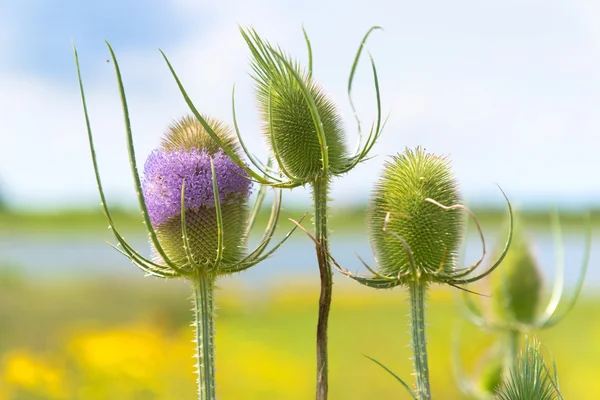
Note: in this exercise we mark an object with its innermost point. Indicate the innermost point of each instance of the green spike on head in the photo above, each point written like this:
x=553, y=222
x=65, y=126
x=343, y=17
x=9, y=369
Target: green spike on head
x=288, y=122
x=432, y=234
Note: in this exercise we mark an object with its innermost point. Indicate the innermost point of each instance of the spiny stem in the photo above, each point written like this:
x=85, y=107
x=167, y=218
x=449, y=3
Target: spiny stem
x=204, y=327
x=320, y=191
x=417, y=290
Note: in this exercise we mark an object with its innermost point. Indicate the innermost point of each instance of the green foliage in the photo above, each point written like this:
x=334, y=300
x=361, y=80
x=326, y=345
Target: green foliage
x=432, y=233
x=529, y=378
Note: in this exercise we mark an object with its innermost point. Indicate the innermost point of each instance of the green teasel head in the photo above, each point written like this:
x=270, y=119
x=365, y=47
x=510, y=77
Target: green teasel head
x=193, y=199
x=517, y=287
x=302, y=125
x=517, y=290
x=287, y=119
x=531, y=377
x=402, y=203
x=416, y=224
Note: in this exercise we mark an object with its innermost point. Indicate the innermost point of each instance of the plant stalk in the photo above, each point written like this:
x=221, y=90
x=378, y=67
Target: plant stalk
x=511, y=350
x=320, y=192
x=417, y=290
x=204, y=329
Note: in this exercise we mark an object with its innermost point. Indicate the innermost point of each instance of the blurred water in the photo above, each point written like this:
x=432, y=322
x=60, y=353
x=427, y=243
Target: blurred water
x=63, y=256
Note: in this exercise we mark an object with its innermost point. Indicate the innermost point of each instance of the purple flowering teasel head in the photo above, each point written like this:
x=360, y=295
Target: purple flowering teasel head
x=186, y=158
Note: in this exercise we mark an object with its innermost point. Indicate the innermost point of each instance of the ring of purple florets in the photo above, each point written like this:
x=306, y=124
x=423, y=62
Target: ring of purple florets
x=165, y=172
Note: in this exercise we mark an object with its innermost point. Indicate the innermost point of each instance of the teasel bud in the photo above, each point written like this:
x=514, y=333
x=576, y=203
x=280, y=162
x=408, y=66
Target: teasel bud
x=301, y=123
x=402, y=203
x=194, y=202
x=517, y=287
x=416, y=223
x=530, y=377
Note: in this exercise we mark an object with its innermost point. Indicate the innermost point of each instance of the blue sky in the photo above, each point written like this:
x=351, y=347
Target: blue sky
x=509, y=89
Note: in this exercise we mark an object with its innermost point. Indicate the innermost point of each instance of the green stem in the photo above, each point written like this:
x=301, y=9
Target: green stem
x=320, y=191
x=417, y=290
x=511, y=348
x=204, y=326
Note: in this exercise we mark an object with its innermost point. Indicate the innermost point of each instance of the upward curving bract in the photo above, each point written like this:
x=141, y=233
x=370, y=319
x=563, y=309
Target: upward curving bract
x=287, y=120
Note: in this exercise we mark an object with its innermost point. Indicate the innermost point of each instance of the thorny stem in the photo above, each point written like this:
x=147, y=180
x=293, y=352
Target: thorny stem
x=204, y=327
x=320, y=191
x=417, y=290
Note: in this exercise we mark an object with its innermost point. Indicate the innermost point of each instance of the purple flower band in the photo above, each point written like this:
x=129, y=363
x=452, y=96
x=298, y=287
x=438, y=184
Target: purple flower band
x=164, y=173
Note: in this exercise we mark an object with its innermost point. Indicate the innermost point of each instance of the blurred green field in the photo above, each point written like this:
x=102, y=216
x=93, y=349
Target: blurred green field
x=342, y=220
x=131, y=339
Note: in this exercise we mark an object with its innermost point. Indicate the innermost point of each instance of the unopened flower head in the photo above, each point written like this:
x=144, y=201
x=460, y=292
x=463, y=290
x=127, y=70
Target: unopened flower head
x=184, y=159
x=288, y=122
x=406, y=206
x=517, y=286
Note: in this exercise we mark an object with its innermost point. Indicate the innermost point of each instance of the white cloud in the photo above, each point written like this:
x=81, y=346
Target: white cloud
x=508, y=105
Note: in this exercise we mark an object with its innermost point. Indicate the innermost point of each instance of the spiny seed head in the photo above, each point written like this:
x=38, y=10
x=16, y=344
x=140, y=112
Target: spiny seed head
x=185, y=157
x=432, y=233
x=517, y=286
x=286, y=117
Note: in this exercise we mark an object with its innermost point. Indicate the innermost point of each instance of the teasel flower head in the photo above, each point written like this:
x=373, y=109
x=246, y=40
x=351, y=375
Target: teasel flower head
x=300, y=122
x=194, y=201
x=416, y=224
x=517, y=290
x=517, y=287
x=515, y=308
x=530, y=377
x=183, y=168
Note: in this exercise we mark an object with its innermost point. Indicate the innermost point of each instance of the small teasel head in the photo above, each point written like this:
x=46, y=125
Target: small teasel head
x=530, y=377
x=403, y=206
x=289, y=123
x=184, y=164
x=517, y=287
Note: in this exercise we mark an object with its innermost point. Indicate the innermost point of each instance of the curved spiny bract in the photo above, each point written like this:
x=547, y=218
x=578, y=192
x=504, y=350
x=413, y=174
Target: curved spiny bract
x=399, y=204
x=288, y=122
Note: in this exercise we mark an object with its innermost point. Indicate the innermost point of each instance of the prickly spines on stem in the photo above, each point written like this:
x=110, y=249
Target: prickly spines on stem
x=417, y=292
x=432, y=234
x=204, y=308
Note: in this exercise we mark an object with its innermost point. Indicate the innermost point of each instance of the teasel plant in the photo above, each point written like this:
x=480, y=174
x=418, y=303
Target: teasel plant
x=529, y=377
x=515, y=308
x=303, y=128
x=415, y=223
x=194, y=200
